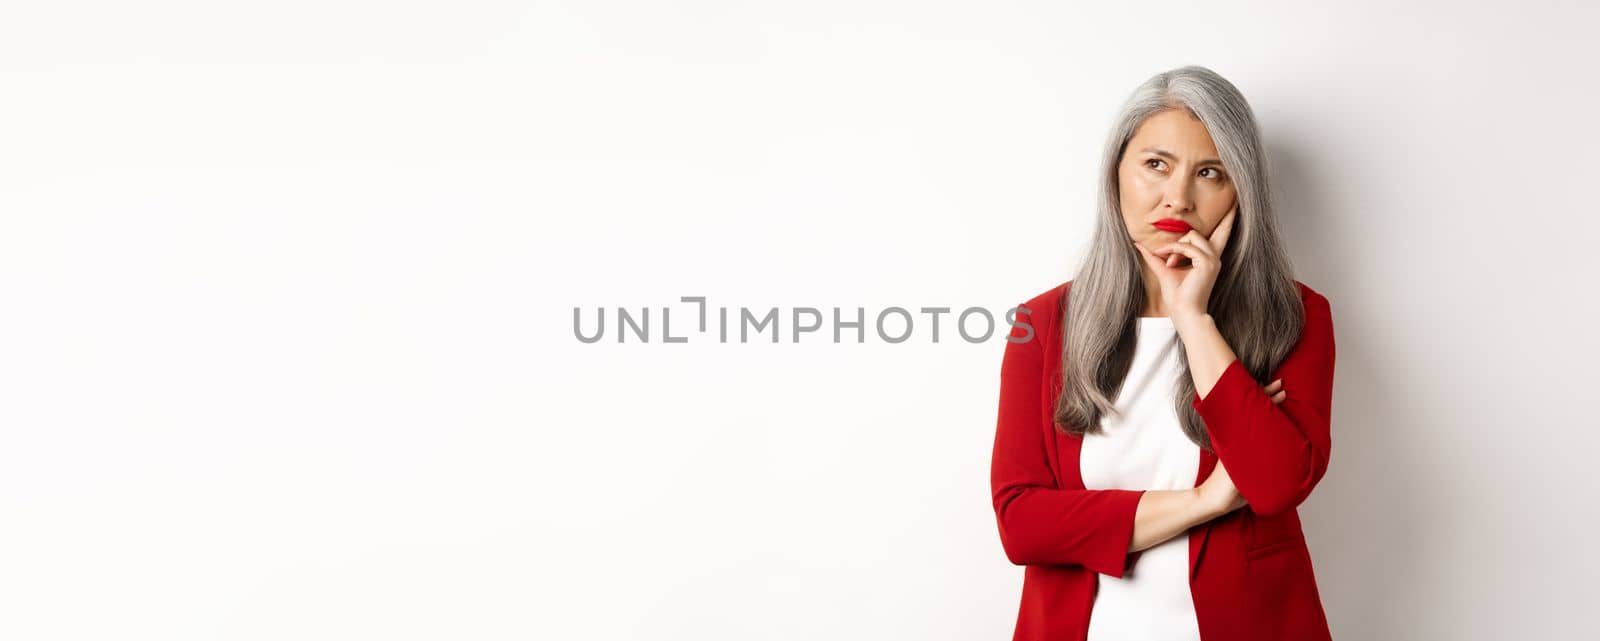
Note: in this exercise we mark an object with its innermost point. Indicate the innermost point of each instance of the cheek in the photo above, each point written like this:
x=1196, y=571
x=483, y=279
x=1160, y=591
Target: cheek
x=1138, y=192
x=1219, y=204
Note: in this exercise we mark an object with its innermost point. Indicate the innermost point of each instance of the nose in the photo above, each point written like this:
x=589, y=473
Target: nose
x=1178, y=200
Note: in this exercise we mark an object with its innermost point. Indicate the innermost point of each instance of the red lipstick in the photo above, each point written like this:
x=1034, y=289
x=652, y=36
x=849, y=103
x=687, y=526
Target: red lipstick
x=1172, y=224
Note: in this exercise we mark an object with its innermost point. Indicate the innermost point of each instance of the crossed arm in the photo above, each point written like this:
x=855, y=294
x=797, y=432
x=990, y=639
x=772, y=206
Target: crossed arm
x=1275, y=453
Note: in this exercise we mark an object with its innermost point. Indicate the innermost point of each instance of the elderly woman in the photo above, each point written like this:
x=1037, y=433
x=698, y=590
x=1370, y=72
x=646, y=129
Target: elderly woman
x=1141, y=473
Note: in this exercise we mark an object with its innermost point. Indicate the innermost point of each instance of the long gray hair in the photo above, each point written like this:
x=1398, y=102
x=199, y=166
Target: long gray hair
x=1255, y=302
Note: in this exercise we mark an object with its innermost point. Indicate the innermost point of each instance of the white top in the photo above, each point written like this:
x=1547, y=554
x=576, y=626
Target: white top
x=1145, y=449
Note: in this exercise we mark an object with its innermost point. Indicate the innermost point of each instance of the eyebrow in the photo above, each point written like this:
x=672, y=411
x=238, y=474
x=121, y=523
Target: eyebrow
x=1167, y=154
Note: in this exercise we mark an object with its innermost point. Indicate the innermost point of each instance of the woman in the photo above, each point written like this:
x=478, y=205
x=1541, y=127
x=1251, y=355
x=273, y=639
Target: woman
x=1141, y=474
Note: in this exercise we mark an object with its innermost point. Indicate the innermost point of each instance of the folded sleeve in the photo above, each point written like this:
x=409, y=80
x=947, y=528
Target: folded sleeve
x=1277, y=452
x=1040, y=523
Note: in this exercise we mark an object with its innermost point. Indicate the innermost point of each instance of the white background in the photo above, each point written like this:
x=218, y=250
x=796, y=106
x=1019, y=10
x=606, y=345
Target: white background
x=286, y=349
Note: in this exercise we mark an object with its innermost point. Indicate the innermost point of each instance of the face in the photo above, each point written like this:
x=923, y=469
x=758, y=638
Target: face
x=1170, y=171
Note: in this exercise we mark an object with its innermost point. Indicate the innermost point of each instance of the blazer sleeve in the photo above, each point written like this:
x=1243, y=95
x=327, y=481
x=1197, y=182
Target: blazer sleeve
x=1040, y=523
x=1277, y=452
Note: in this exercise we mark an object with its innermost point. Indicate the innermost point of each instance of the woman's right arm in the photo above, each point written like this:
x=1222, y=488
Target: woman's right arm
x=1164, y=514
x=1041, y=523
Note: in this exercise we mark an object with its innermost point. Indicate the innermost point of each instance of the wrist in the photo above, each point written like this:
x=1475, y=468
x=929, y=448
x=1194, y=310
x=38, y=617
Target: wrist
x=1187, y=322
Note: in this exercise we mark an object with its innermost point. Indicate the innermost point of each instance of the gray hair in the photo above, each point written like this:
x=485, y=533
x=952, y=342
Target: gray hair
x=1256, y=301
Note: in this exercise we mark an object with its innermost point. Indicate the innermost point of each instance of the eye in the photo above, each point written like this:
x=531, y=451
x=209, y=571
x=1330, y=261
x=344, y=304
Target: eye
x=1147, y=163
x=1214, y=170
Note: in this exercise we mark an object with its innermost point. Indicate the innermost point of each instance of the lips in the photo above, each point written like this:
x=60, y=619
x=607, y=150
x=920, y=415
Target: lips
x=1172, y=225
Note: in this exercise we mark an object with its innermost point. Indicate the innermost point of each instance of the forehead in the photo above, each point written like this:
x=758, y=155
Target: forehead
x=1176, y=131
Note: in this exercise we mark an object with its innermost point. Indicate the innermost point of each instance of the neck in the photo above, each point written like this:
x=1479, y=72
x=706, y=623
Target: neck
x=1152, y=293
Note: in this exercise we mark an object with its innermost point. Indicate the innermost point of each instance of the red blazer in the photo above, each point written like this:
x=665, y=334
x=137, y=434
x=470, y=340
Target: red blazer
x=1250, y=572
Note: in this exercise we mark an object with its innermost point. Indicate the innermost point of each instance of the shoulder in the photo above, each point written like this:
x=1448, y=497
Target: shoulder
x=1043, y=307
x=1036, y=316
x=1315, y=303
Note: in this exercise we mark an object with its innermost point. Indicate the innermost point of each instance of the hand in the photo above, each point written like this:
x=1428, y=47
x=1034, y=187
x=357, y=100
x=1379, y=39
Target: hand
x=1275, y=391
x=1186, y=290
x=1218, y=490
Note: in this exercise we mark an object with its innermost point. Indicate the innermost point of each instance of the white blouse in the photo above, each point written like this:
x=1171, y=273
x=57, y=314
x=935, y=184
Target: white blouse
x=1145, y=449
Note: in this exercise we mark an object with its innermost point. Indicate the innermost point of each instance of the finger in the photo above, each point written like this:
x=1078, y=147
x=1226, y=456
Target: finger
x=1224, y=229
x=1278, y=398
x=1168, y=250
x=1274, y=386
x=1199, y=242
x=1162, y=263
x=1194, y=254
x=1171, y=255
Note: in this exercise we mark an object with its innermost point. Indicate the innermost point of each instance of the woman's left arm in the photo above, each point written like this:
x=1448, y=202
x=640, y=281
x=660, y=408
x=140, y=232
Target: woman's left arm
x=1275, y=452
